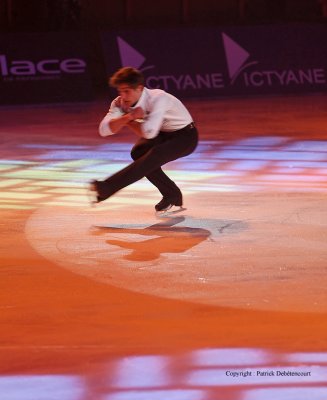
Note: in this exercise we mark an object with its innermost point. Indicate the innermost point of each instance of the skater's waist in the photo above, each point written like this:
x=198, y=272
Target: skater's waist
x=188, y=127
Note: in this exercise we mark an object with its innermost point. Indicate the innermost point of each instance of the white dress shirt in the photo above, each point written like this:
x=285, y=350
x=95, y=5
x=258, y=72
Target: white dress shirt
x=163, y=112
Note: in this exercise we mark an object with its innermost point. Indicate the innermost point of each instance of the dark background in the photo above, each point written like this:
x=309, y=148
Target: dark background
x=54, y=15
x=93, y=16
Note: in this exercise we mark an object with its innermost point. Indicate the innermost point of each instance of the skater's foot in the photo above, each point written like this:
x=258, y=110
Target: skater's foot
x=94, y=192
x=167, y=202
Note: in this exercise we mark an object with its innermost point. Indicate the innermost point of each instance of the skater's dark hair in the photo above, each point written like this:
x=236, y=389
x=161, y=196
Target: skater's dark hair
x=127, y=75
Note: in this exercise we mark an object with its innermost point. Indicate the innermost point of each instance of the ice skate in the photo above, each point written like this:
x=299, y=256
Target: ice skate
x=93, y=193
x=168, y=206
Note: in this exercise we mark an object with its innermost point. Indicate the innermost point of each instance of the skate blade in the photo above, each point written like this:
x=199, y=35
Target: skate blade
x=91, y=195
x=169, y=212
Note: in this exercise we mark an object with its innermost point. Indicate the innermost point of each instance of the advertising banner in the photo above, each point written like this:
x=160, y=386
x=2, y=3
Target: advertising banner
x=43, y=68
x=207, y=62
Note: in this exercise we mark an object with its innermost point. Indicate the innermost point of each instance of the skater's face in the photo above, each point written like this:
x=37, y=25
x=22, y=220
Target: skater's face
x=129, y=95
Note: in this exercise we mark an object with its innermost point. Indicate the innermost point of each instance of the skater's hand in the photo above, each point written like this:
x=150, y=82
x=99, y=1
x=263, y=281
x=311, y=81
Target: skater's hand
x=121, y=104
x=137, y=113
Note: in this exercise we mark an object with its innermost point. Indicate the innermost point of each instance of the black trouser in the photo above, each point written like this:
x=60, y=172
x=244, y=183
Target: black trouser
x=149, y=155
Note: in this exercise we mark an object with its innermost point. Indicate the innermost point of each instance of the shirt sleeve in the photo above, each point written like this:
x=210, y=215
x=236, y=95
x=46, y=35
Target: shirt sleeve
x=154, y=119
x=114, y=112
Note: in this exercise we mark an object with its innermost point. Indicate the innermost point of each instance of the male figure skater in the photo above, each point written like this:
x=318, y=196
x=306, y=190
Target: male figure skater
x=166, y=132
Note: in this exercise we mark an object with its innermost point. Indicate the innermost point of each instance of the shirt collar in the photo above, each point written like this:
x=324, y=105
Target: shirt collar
x=141, y=99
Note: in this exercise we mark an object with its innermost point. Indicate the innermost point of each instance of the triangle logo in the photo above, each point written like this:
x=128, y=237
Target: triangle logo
x=235, y=54
x=129, y=57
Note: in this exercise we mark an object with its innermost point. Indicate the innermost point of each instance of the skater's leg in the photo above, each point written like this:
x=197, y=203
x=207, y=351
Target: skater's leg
x=176, y=145
x=158, y=178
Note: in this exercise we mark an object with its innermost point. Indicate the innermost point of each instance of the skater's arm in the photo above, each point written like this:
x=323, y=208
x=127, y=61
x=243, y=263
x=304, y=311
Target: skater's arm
x=118, y=117
x=116, y=124
x=115, y=112
x=155, y=117
x=136, y=127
